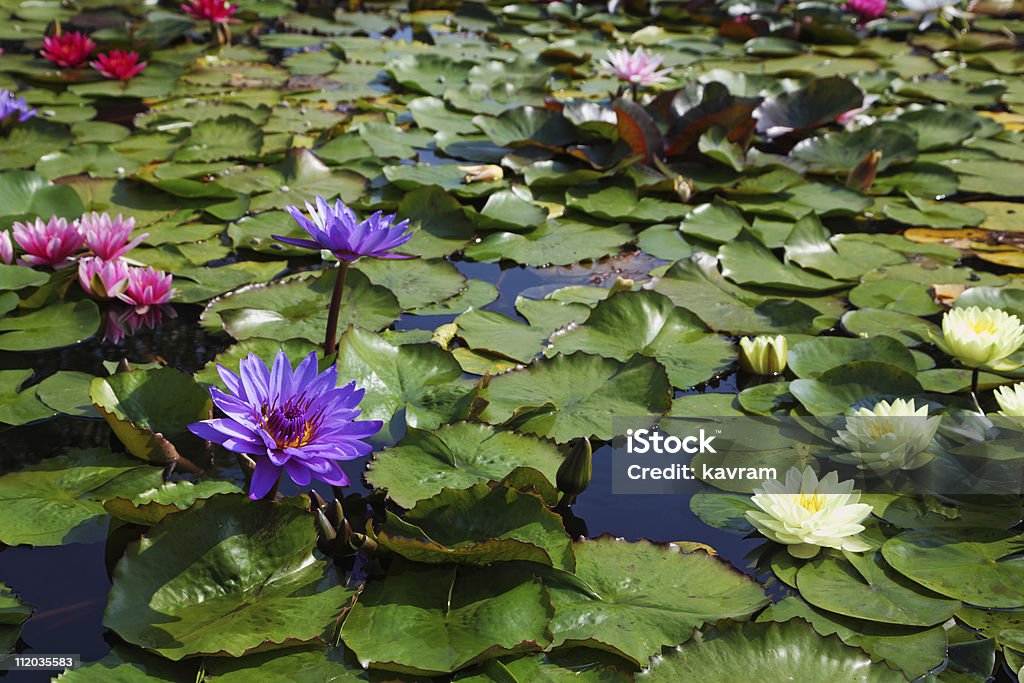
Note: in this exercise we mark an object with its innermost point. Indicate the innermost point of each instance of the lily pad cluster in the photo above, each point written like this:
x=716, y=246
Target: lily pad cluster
x=829, y=181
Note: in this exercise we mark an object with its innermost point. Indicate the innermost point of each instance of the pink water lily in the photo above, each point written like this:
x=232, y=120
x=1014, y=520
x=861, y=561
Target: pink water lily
x=121, y=65
x=6, y=248
x=637, y=68
x=866, y=9
x=69, y=49
x=108, y=237
x=52, y=243
x=147, y=287
x=103, y=279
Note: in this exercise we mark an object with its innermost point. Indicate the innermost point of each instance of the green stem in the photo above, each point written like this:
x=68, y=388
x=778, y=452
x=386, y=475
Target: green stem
x=974, y=389
x=635, y=91
x=330, y=339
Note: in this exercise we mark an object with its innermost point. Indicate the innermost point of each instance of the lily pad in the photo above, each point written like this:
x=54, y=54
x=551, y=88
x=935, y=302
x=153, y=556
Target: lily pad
x=228, y=576
x=586, y=392
x=479, y=525
x=776, y=651
x=651, y=596
x=60, y=500
x=971, y=565
x=456, y=456
x=647, y=323
x=462, y=612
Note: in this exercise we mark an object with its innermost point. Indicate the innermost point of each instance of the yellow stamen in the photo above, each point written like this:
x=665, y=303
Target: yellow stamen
x=811, y=502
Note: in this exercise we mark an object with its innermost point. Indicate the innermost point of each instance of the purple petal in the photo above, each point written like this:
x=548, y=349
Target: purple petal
x=263, y=478
x=298, y=472
x=309, y=244
x=232, y=381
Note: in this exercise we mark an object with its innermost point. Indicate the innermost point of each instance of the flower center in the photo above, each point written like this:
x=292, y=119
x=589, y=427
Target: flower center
x=983, y=327
x=811, y=502
x=879, y=428
x=291, y=425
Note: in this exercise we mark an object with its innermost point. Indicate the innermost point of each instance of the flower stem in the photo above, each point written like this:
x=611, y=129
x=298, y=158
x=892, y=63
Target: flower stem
x=635, y=91
x=330, y=339
x=974, y=389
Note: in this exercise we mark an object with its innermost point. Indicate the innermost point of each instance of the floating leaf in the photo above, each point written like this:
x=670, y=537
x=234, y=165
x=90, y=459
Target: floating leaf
x=479, y=526
x=456, y=456
x=229, y=575
x=462, y=612
x=586, y=391
x=651, y=596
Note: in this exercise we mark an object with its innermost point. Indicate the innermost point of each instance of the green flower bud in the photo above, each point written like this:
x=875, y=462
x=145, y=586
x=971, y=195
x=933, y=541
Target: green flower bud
x=574, y=473
x=763, y=355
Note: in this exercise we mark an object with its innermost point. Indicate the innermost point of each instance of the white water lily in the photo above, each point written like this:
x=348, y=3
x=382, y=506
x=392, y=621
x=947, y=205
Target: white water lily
x=807, y=515
x=978, y=337
x=930, y=10
x=763, y=355
x=887, y=437
x=1011, y=400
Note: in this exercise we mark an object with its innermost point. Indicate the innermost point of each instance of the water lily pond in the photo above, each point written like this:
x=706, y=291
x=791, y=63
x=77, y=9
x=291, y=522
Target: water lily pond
x=509, y=342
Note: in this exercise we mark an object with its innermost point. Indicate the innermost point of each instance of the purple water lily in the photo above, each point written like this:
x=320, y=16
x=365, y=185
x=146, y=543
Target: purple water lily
x=15, y=107
x=297, y=421
x=339, y=231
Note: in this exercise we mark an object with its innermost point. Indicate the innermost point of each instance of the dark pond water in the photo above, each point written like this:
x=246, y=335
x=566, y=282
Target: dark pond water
x=68, y=584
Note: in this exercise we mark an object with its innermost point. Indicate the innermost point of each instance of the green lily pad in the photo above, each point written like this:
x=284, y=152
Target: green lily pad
x=456, y=456
x=150, y=410
x=20, y=407
x=647, y=323
x=414, y=282
x=969, y=565
x=150, y=506
x=421, y=381
x=13, y=612
x=908, y=329
x=59, y=324
x=14, y=277
x=778, y=652
x=586, y=392
x=864, y=586
x=463, y=613
x=810, y=246
x=813, y=357
x=554, y=242
x=914, y=651
x=651, y=596
x=840, y=389
x=228, y=575
x=841, y=152
x=60, y=500
x=526, y=125
x=297, y=307
x=230, y=137
x=479, y=526
x=746, y=261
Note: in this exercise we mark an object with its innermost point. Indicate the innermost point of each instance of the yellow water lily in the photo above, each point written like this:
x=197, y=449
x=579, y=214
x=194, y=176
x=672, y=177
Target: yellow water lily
x=807, y=515
x=763, y=355
x=977, y=337
x=887, y=437
x=1011, y=400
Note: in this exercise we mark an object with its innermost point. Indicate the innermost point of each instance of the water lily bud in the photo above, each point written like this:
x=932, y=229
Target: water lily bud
x=683, y=187
x=325, y=532
x=336, y=513
x=444, y=335
x=863, y=174
x=807, y=515
x=1011, y=400
x=978, y=337
x=483, y=173
x=763, y=355
x=575, y=472
x=316, y=502
x=621, y=284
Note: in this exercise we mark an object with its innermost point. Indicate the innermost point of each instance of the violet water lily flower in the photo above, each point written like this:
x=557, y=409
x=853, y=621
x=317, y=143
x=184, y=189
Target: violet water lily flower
x=339, y=231
x=15, y=108
x=296, y=421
